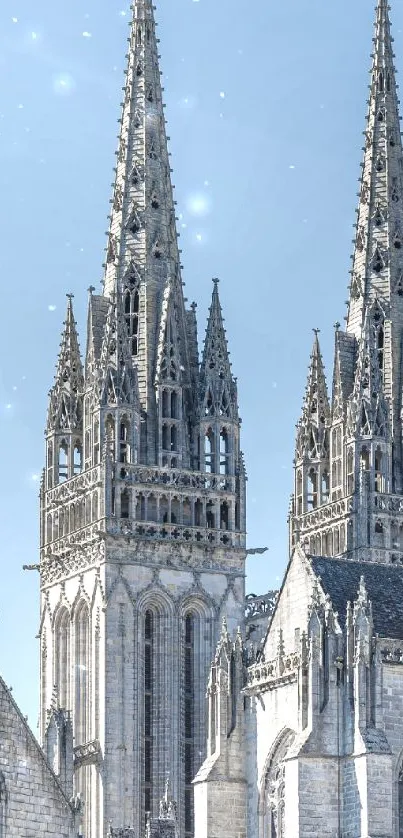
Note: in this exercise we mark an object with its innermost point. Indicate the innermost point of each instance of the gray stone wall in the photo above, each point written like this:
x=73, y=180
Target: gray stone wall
x=34, y=801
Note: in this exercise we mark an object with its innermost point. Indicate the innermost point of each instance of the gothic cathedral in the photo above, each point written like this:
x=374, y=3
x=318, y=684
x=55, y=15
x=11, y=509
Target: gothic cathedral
x=143, y=524
x=143, y=497
x=312, y=744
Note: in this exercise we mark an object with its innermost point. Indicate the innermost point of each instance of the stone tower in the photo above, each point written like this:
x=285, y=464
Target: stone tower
x=348, y=461
x=142, y=499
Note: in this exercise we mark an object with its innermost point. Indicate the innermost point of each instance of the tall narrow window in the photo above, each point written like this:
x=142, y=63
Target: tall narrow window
x=125, y=504
x=379, y=475
x=131, y=303
x=63, y=462
x=81, y=715
x=350, y=471
x=124, y=454
x=50, y=465
x=224, y=452
x=189, y=723
x=312, y=489
x=62, y=658
x=209, y=458
x=148, y=711
x=110, y=436
x=96, y=442
x=78, y=456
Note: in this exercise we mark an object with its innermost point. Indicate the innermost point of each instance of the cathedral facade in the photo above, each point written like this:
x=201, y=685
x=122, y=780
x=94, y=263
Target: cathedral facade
x=143, y=522
x=312, y=744
x=143, y=497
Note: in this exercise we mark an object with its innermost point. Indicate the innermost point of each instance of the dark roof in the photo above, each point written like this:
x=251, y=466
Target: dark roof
x=384, y=583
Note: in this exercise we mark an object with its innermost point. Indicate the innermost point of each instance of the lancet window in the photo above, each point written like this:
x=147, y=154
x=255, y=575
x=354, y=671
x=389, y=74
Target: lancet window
x=224, y=452
x=124, y=452
x=209, y=451
x=82, y=659
x=312, y=489
x=63, y=462
x=272, y=824
x=379, y=471
x=77, y=458
x=189, y=721
x=149, y=640
x=62, y=658
x=400, y=801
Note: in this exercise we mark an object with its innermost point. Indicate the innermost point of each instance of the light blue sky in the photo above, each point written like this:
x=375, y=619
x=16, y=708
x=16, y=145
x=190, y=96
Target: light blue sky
x=265, y=104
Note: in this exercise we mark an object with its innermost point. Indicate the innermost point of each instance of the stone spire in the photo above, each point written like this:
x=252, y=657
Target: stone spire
x=217, y=385
x=142, y=262
x=313, y=427
x=65, y=406
x=377, y=257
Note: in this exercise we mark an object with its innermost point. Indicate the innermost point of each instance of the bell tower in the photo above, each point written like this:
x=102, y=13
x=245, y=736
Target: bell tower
x=142, y=499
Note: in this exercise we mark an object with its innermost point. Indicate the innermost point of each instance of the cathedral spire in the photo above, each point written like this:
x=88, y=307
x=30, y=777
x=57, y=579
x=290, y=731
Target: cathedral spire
x=218, y=387
x=377, y=269
x=65, y=408
x=142, y=253
x=313, y=427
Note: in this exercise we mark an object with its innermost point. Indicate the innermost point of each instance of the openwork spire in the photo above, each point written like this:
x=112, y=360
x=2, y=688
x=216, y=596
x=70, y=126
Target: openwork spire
x=142, y=252
x=65, y=407
x=313, y=427
x=377, y=260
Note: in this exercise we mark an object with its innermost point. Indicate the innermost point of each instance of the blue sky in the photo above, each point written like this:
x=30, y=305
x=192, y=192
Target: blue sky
x=265, y=104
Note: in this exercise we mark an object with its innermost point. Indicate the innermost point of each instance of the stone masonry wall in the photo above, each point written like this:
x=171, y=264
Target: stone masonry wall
x=35, y=803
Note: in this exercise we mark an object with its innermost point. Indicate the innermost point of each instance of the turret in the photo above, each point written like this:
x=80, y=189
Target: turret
x=312, y=478
x=64, y=430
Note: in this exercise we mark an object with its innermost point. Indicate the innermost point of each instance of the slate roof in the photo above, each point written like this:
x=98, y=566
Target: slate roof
x=384, y=583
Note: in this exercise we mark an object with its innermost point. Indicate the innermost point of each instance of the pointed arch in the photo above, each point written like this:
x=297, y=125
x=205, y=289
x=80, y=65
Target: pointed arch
x=62, y=656
x=82, y=672
x=272, y=790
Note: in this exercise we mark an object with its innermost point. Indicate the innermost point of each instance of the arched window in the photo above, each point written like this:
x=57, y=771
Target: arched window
x=174, y=405
x=210, y=516
x=110, y=435
x=95, y=506
x=224, y=516
x=165, y=437
x=198, y=513
x=325, y=487
x=312, y=489
x=63, y=462
x=77, y=458
x=381, y=82
x=3, y=806
x=209, y=452
x=96, y=442
x=224, y=452
x=273, y=791
x=379, y=474
x=174, y=438
x=62, y=658
x=131, y=304
x=189, y=721
x=364, y=459
x=125, y=504
x=299, y=491
x=124, y=454
x=165, y=404
x=50, y=465
x=350, y=471
x=82, y=659
x=149, y=639
x=49, y=528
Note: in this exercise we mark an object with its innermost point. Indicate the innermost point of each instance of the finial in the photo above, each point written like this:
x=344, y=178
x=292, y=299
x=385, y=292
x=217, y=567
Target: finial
x=316, y=332
x=215, y=280
x=70, y=296
x=337, y=326
x=91, y=289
